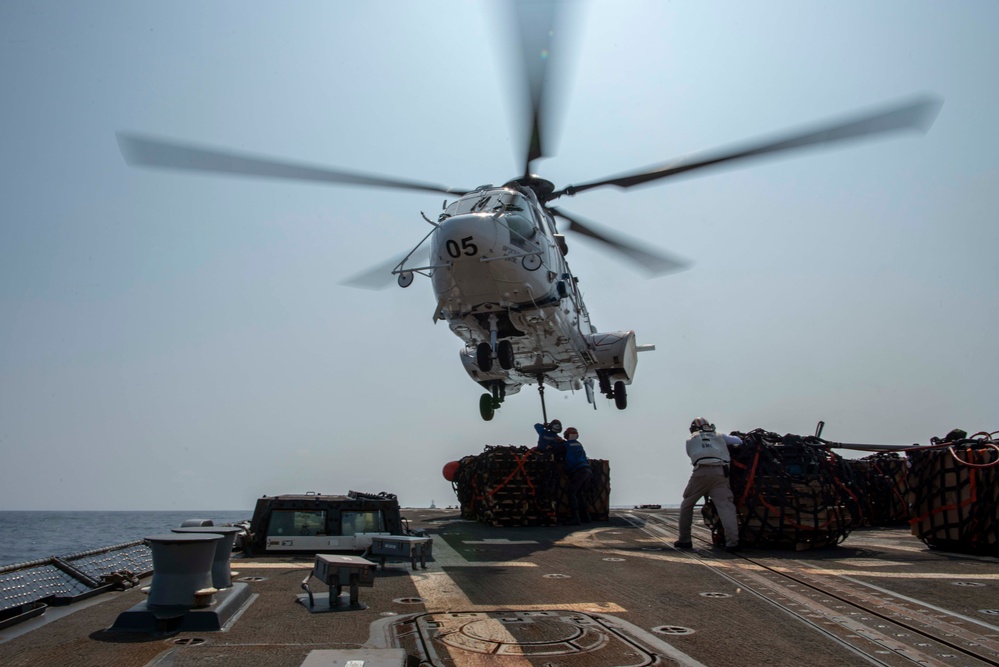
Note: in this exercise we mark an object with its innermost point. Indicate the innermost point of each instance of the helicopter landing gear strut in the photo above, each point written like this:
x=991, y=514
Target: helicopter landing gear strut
x=489, y=403
x=618, y=392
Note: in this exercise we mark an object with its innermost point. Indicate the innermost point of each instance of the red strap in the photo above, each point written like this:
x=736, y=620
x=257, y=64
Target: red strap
x=519, y=468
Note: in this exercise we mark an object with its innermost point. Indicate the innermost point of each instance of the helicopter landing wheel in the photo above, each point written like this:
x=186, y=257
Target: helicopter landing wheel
x=484, y=357
x=499, y=393
x=486, y=408
x=504, y=352
x=620, y=395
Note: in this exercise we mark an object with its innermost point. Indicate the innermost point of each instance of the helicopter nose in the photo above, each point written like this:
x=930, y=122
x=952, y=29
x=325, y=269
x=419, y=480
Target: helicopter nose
x=465, y=237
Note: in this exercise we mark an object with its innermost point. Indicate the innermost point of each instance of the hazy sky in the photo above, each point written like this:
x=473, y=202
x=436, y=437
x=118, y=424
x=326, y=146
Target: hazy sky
x=176, y=341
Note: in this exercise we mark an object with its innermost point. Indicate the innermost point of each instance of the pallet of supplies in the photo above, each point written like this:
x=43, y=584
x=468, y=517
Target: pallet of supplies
x=790, y=493
x=954, y=494
x=519, y=486
x=882, y=485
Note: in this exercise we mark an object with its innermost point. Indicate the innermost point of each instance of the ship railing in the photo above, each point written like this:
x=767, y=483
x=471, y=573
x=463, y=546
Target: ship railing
x=28, y=589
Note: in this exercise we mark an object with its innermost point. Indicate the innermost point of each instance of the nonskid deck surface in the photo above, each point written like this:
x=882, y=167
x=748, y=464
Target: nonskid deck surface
x=605, y=593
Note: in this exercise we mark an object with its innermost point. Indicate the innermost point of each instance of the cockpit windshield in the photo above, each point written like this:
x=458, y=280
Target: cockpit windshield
x=510, y=208
x=488, y=202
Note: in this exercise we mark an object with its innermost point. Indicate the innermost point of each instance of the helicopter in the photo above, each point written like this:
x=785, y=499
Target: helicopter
x=496, y=255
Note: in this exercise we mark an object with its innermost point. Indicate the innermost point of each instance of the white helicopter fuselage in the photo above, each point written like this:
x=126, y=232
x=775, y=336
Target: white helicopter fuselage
x=501, y=279
x=497, y=260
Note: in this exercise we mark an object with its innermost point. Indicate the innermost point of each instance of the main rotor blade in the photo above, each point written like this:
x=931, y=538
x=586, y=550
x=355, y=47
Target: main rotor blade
x=140, y=151
x=653, y=264
x=381, y=276
x=915, y=115
x=536, y=23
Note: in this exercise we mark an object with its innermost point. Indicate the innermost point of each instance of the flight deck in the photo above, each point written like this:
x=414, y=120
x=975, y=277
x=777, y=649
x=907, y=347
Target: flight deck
x=612, y=592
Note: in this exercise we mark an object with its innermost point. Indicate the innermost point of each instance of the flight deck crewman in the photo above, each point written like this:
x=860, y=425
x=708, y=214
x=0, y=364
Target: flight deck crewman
x=577, y=469
x=548, y=435
x=572, y=457
x=708, y=452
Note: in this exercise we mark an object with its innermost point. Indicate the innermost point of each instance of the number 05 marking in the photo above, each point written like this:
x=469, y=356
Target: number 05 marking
x=467, y=247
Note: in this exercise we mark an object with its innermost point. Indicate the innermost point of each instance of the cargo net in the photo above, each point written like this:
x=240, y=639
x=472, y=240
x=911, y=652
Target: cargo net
x=518, y=486
x=789, y=494
x=954, y=494
x=880, y=483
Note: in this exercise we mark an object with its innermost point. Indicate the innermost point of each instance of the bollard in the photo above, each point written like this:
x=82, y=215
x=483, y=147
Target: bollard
x=182, y=569
x=221, y=568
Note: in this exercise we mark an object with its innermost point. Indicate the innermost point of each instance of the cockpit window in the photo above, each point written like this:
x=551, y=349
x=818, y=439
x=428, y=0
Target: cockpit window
x=551, y=224
x=474, y=203
x=517, y=213
x=509, y=202
x=488, y=202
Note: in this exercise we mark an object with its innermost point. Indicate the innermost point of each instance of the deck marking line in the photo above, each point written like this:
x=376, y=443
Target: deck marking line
x=924, y=604
x=760, y=582
x=499, y=541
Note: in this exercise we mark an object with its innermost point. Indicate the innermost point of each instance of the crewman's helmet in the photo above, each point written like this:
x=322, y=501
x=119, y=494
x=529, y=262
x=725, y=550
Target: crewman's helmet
x=701, y=424
x=571, y=433
x=555, y=426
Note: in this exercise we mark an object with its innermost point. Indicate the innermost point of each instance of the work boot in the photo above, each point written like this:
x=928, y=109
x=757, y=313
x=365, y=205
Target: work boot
x=680, y=544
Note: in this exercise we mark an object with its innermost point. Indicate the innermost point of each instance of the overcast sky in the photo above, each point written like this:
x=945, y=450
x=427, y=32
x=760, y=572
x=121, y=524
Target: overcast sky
x=176, y=341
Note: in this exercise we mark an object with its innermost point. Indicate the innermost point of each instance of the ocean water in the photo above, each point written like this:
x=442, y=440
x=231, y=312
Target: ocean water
x=26, y=536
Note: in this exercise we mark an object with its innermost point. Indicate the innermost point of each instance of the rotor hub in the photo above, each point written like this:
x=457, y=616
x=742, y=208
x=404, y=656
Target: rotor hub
x=542, y=187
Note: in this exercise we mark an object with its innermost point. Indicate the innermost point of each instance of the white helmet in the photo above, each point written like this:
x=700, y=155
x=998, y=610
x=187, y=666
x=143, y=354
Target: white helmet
x=701, y=424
